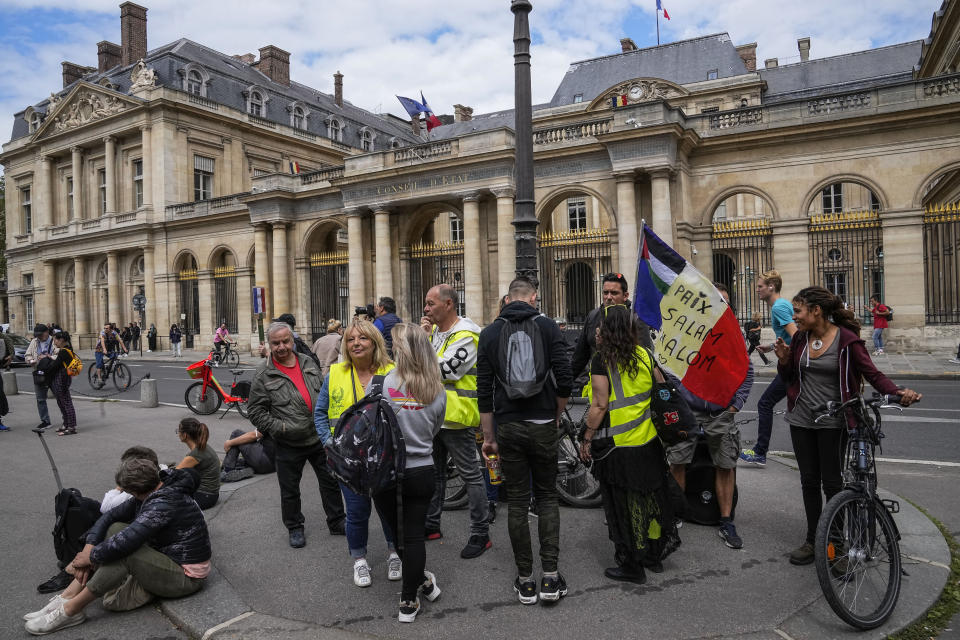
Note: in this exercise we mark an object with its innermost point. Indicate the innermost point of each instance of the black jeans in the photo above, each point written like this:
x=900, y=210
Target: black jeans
x=205, y=500
x=254, y=455
x=529, y=449
x=290, y=462
x=776, y=392
x=416, y=490
x=820, y=454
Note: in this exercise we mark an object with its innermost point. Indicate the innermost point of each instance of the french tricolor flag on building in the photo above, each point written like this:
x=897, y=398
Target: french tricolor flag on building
x=660, y=8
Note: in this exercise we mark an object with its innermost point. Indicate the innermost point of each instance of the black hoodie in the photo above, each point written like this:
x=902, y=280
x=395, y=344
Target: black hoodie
x=491, y=397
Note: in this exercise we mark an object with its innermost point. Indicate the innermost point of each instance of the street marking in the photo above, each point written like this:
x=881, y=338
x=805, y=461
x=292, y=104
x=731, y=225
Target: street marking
x=783, y=634
x=919, y=419
x=932, y=463
x=223, y=625
x=173, y=404
x=925, y=561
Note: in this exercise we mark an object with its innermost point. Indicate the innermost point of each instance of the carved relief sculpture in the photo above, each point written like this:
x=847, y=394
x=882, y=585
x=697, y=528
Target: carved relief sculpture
x=87, y=107
x=635, y=91
x=142, y=77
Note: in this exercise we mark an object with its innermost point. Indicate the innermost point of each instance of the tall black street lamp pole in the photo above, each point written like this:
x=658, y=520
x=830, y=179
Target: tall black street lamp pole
x=524, y=213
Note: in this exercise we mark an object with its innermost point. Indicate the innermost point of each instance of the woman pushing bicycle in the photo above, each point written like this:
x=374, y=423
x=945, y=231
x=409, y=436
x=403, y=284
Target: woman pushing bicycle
x=825, y=361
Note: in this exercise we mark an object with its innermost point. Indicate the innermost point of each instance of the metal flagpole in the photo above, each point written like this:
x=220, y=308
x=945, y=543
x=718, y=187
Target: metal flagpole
x=658, y=27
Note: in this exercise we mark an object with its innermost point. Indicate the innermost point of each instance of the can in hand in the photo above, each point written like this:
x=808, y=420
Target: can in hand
x=493, y=467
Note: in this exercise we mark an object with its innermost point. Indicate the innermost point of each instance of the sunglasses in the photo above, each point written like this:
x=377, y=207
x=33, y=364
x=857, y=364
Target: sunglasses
x=607, y=309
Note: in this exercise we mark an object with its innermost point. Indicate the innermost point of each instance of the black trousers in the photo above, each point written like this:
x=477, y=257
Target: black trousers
x=820, y=454
x=417, y=490
x=290, y=462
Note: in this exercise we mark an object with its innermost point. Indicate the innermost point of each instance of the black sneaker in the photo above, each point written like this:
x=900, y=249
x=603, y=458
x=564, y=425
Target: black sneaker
x=430, y=589
x=476, y=546
x=492, y=510
x=236, y=475
x=552, y=588
x=297, y=539
x=56, y=584
x=339, y=529
x=728, y=533
x=526, y=591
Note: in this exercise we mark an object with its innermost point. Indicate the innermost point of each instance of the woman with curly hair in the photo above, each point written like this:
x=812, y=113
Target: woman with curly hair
x=628, y=458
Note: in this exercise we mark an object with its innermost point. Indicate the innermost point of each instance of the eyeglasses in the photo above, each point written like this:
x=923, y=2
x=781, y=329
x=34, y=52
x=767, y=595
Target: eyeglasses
x=607, y=308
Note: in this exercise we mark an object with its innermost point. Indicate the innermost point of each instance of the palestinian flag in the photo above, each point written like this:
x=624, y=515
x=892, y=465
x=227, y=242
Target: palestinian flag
x=699, y=337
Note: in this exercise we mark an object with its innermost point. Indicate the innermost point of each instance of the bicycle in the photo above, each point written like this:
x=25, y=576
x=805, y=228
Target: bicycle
x=122, y=377
x=205, y=396
x=857, y=549
x=227, y=355
x=576, y=486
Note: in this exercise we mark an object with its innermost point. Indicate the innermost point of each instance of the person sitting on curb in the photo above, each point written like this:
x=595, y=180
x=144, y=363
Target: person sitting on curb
x=154, y=545
x=247, y=453
x=194, y=434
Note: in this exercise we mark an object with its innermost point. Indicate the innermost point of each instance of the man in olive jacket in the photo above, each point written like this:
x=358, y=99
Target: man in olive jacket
x=282, y=398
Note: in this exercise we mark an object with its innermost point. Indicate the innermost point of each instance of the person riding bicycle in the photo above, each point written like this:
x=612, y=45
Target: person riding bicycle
x=827, y=355
x=107, y=343
x=220, y=337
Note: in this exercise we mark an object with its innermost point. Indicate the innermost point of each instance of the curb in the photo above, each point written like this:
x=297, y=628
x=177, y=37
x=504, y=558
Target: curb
x=899, y=375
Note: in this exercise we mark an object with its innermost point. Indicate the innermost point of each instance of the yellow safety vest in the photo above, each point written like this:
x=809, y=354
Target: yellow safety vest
x=462, y=408
x=631, y=424
x=342, y=396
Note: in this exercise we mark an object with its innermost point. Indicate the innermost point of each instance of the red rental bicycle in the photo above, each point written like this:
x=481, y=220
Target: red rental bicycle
x=206, y=395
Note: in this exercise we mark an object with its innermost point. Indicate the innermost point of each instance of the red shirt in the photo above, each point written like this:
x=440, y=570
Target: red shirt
x=879, y=321
x=296, y=376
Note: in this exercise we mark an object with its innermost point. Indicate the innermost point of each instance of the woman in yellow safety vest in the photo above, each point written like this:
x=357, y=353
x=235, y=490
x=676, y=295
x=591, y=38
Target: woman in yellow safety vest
x=364, y=355
x=628, y=458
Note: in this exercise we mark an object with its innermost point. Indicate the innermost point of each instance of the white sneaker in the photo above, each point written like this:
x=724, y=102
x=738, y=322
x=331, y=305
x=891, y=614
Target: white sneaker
x=54, y=602
x=409, y=610
x=954, y=360
x=394, y=567
x=361, y=573
x=429, y=588
x=53, y=620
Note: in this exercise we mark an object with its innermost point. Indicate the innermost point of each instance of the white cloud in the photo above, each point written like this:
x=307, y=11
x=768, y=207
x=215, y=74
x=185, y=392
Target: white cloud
x=388, y=47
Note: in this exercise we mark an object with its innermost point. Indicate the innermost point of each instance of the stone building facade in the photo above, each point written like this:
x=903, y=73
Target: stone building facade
x=173, y=172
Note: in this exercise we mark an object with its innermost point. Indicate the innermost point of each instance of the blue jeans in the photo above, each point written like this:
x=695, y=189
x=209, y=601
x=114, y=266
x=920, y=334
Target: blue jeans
x=41, y=391
x=358, y=520
x=878, y=338
x=776, y=392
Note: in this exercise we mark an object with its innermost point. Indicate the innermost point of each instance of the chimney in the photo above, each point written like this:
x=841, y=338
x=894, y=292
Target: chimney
x=770, y=63
x=109, y=55
x=73, y=72
x=803, y=44
x=246, y=58
x=462, y=113
x=748, y=53
x=133, y=33
x=338, y=88
x=275, y=64
x=415, y=125
x=627, y=44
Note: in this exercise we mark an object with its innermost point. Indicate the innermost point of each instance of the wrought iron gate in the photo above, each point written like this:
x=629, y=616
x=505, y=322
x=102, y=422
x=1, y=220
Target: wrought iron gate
x=572, y=266
x=225, y=296
x=846, y=257
x=941, y=263
x=329, y=290
x=189, y=305
x=438, y=263
x=742, y=250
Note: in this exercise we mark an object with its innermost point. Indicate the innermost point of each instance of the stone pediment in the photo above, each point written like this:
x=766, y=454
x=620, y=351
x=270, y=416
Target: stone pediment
x=636, y=91
x=85, y=104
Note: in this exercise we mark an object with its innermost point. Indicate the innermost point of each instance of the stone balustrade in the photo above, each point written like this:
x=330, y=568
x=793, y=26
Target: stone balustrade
x=736, y=118
x=833, y=104
x=424, y=151
x=572, y=132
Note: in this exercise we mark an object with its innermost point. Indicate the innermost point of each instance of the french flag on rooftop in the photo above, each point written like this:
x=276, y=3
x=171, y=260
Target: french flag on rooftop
x=660, y=8
x=414, y=109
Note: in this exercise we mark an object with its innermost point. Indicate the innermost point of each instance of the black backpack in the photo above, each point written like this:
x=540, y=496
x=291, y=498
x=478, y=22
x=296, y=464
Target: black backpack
x=700, y=499
x=75, y=515
x=302, y=347
x=521, y=361
x=367, y=452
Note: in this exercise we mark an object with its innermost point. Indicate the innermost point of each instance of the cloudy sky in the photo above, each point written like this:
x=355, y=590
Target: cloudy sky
x=455, y=51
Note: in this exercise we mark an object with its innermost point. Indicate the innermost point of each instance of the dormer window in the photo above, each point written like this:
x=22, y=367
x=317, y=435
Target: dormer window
x=35, y=120
x=298, y=118
x=712, y=74
x=367, y=136
x=255, y=107
x=335, y=129
x=195, y=79
x=194, y=82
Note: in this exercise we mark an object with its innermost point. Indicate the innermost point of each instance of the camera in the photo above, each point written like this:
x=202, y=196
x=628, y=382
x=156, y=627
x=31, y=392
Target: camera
x=364, y=311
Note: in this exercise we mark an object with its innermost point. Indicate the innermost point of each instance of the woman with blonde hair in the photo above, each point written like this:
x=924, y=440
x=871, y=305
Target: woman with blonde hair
x=364, y=356
x=415, y=392
x=327, y=348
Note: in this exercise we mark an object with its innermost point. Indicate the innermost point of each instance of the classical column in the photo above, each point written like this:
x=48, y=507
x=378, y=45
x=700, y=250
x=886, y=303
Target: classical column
x=383, y=282
x=113, y=288
x=660, y=197
x=146, y=161
x=149, y=286
x=81, y=310
x=110, y=166
x=50, y=293
x=506, y=249
x=472, y=265
x=205, y=293
x=358, y=288
x=76, y=158
x=49, y=217
x=261, y=268
x=627, y=226
x=244, y=303
x=281, y=275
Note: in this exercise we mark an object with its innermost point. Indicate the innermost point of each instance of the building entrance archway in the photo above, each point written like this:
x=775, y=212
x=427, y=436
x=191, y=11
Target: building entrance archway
x=329, y=277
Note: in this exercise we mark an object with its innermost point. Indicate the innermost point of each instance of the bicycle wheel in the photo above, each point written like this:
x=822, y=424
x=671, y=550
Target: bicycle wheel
x=122, y=376
x=233, y=359
x=96, y=382
x=576, y=486
x=242, y=408
x=202, y=405
x=858, y=559
x=456, y=494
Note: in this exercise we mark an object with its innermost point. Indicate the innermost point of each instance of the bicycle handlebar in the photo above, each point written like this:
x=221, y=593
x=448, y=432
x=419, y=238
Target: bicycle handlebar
x=832, y=408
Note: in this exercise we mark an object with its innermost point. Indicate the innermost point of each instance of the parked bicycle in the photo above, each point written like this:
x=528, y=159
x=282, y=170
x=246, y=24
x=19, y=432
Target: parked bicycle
x=857, y=549
x=576, y=485
x=112, y=367
x=206, y=396
x=227, y=355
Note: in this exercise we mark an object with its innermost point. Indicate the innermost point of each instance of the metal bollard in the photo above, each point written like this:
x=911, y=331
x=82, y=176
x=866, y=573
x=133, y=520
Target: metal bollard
x=10, y=383
x=148, y=393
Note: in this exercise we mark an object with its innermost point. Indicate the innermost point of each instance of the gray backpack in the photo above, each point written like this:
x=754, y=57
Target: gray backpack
x=522, y=363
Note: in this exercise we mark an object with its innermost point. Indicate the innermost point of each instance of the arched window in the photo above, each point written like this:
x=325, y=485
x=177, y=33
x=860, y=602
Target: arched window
x=335, y=129
x=299, y=119
x=35, y=119
x=367, y=136
x=255, y=107
x=194, y=82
